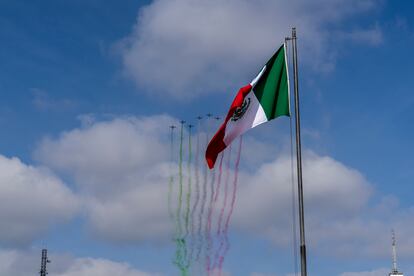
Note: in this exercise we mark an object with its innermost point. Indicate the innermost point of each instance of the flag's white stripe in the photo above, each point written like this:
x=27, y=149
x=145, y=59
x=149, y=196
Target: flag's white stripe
x=253, y=116
x=256, y=79
x=260, y=114
x=287, y=75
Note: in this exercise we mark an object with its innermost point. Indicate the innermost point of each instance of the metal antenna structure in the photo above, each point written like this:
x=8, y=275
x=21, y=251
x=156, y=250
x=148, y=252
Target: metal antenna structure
x=43, y=265
x=394, y=271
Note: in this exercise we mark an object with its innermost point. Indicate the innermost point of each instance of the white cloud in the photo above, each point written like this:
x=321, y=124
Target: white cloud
x=103, y=155
x=332, y=192
x=18, y=263
x=121, y=169
x=23, y=263
x=341, y=218
x=377, y=272
x=184, y=48
x=137, y=215
x=31, y=200
x=101, y=267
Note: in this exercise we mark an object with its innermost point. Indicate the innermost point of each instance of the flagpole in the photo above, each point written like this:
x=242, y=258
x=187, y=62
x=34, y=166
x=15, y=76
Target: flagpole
x=299, y=158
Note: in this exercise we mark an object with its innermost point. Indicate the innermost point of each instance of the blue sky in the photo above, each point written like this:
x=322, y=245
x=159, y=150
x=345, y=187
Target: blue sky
x=87, y=88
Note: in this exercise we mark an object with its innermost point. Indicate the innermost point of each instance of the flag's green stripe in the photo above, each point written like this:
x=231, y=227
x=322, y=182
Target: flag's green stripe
x=272, y=89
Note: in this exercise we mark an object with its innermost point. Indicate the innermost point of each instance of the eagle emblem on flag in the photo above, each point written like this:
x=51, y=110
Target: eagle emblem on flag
x=240, y=111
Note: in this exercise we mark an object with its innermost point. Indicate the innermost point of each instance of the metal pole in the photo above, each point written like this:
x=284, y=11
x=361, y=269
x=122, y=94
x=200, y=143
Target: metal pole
x=44, y=262
x=299, y=158
x=394, y=254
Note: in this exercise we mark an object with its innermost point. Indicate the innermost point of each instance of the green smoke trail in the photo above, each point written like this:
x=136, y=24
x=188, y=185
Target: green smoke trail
x=203, y=198
x=179, y=257
x=180, y=241
x=193, y=219
x=188, y=196
x=171, y=180
x=180, y=176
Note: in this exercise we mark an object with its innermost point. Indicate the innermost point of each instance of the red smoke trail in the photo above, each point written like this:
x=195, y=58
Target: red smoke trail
x=226, y=188
x=220, y=173
x=209, y=241
x=210, y=214
x=219, y=232
x=233, y=201
x=219, y=177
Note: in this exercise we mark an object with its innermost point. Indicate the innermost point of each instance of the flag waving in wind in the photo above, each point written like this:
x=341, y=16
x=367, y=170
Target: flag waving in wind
x=264, y=99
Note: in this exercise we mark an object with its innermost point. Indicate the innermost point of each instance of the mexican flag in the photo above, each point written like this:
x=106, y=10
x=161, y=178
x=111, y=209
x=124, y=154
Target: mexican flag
x=264, y=99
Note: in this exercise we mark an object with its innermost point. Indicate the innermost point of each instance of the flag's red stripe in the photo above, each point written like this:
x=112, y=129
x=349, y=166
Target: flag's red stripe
x=217, y=144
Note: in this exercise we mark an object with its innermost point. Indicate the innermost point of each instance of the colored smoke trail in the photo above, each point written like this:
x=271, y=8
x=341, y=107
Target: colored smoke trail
x=226, y=189
x=211, y=207
x=180, y=187
x=219, y=232
x=235, y=182
x=208, y=224
x=197, y=191
x=209, y=265
x=171, y=180
x=205, y=200
x=188, y=198
x=219, y=177
x=203, y=205
x=233, y=201
x=180, y=241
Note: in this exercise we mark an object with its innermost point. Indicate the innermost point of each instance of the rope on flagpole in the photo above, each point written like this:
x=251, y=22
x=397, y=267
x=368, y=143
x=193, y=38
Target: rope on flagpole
x=294, y=227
